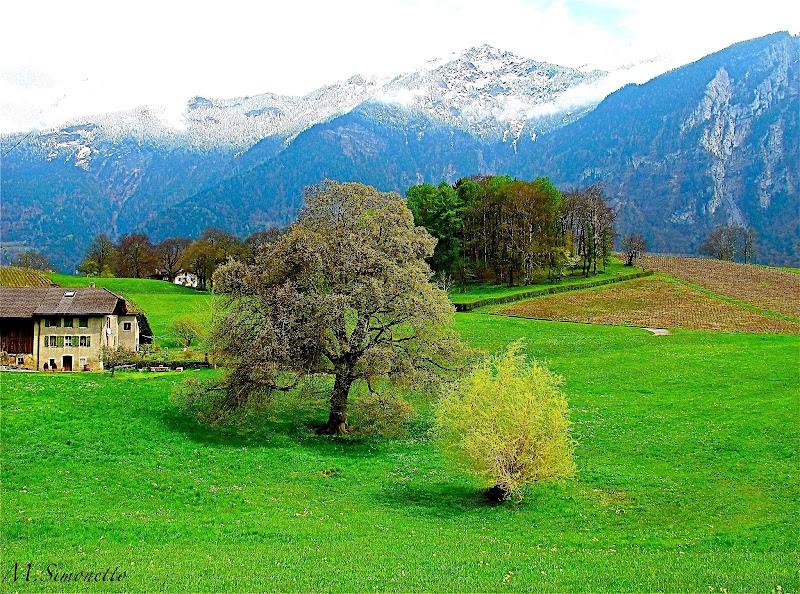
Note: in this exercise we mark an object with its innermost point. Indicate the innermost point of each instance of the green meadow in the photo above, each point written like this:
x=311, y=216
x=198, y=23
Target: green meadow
x=687, y=453
x=482, y=290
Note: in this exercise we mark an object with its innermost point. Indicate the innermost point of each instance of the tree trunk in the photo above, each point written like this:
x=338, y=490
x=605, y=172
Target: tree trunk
x=496, y=494
x=337, y=419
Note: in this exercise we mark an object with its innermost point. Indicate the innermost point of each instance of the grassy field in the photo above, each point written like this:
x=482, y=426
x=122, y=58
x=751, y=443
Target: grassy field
x=687, y=454
x=477, y=291
x=655, y=302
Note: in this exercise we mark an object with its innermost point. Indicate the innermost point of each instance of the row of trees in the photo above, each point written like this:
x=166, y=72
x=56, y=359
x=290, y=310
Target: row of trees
x=730, y=242
x=135, y=256
x=516, y=230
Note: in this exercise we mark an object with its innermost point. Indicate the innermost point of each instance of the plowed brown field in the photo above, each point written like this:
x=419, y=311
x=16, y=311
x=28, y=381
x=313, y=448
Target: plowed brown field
x=654, y=302
x=767, y=288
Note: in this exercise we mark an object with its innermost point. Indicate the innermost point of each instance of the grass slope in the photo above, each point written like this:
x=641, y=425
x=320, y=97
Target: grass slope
x=687, y=453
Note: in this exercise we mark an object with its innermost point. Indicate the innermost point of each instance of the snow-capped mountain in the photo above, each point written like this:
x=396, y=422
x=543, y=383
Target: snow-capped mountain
x=693, y=134
x=489, y=92
x=483, y=91
x=117, y=168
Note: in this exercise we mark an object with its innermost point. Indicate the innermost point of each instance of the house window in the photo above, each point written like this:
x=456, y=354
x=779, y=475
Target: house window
x=67, y=341
x=82, y=361
x=83, y=341
x=67, y=322
x=126, y=326
x=83, y=322
x=52, y=322
x=88, y=341
x=52, y=363
x=20, y=360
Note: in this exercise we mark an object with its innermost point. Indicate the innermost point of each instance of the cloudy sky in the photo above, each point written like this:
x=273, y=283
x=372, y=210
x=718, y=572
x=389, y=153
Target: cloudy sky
x=60, y=60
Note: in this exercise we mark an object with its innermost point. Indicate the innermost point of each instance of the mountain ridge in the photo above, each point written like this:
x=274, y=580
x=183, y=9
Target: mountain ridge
x=449, y=119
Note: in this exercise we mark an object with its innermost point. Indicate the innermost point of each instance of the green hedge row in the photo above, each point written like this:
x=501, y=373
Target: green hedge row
x=548, y=291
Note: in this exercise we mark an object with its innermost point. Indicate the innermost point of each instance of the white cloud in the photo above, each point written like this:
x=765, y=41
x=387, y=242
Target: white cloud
x=99, y=56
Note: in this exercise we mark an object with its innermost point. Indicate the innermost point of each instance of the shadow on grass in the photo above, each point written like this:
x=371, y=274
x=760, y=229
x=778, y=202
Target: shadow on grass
x=259, y=431
x=442, y=500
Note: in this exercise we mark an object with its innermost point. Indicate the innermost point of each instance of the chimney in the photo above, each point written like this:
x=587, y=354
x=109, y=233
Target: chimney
x=91, y=285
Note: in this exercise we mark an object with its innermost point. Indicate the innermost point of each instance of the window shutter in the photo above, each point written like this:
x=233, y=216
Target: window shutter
x=46, y=324
x=88, y=341
x=60, y=340
x=75, y=340
x=46, y=341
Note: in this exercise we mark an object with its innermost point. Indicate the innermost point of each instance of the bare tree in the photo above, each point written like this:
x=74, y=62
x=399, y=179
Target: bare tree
x=135, y=256
x=33, y=260
x=169, y=253
x=748, y=246
x=187, y=329
x=633, y=246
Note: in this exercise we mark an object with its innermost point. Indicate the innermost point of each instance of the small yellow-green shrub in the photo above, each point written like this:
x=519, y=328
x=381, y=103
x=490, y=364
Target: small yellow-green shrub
x=507, y=422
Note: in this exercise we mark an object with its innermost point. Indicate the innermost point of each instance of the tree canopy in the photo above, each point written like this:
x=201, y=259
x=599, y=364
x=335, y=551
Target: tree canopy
x=512, y=229
x=345, y=292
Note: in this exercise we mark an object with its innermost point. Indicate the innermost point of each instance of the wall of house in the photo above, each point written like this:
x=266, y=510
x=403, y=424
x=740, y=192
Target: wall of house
x=13, y=360
x=96, y=339
x=128, y=338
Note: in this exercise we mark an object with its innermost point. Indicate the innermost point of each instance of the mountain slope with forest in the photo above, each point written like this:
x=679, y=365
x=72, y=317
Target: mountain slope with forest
x=715, y=141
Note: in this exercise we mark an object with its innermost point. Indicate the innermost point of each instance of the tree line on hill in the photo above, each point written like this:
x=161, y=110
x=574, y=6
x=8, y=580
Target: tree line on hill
x=730, y=242
x=489, y=227
x=495, y=228
x=512, y=230
x=135, y=256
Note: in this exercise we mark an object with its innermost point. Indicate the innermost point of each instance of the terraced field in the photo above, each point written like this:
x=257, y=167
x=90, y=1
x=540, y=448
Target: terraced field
x=10, y=276
x=767, y=288
x=656, y=302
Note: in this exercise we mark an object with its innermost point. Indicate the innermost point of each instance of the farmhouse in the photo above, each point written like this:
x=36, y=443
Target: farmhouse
x=58, y=328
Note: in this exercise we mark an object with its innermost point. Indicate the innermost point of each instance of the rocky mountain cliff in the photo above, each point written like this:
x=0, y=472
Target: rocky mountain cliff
x=712, y=142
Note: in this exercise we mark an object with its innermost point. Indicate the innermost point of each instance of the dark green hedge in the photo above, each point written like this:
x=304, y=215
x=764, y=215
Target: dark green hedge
x=548, y=291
